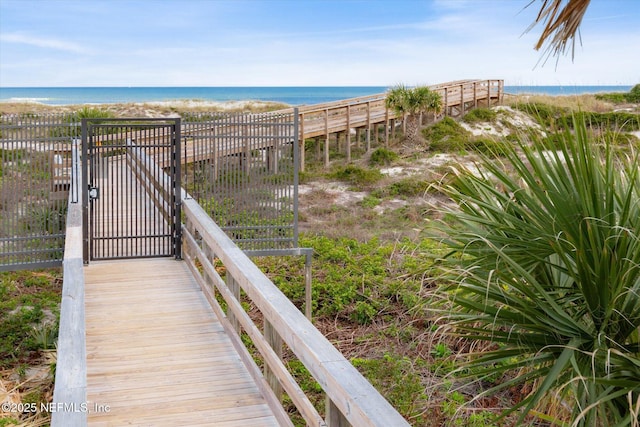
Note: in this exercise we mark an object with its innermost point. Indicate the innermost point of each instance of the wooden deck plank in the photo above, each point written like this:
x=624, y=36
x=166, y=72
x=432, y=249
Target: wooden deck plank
x=157, y=355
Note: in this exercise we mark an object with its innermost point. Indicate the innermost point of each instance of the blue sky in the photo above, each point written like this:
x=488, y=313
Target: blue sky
x=304, y=43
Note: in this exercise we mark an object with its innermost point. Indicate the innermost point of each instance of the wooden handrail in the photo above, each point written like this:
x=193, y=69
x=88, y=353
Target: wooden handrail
x=352, y=399
x=70, y=392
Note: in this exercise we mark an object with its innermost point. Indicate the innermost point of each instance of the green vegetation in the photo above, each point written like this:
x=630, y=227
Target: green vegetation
x=526, y=306
x=29, y=311
x=377, y=291
x=553, y=118
x=546, y=268
x=382, y=156
x=28, y=314
x=446, y=135
x=632, y=96
x=409, y=102
x=480, y=115
x=357, y=175
x=358, y=281
x=71, y=127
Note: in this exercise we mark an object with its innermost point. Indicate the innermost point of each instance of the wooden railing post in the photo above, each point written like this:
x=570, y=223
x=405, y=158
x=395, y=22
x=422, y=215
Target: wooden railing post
x=368, y=135
x=275, y=342
x=475, y=95
x=386, y=127
x=348, y=136
x=334, y=417
x=446, y=101
x=234, y=287
x=326, y=138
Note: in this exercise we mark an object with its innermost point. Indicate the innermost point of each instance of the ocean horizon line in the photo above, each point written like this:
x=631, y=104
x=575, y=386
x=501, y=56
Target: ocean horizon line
x=290, y=95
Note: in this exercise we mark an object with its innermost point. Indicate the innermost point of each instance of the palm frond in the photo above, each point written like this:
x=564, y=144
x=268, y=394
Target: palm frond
x=546, y=265
x=561, y=20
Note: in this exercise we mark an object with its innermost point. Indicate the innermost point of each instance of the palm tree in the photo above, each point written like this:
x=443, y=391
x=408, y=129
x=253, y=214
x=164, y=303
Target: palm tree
x=409, y=103
x=546, y=267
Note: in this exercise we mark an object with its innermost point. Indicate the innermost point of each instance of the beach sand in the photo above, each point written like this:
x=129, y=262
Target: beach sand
x=147, y=109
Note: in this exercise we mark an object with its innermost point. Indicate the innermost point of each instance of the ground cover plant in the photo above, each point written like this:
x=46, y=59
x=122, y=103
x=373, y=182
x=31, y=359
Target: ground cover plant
x=377, y=285
x=29, y=310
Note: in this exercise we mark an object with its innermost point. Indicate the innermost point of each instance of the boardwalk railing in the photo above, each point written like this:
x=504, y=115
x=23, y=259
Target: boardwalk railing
x=70, y=393
x=365, y=114
x=351, y=399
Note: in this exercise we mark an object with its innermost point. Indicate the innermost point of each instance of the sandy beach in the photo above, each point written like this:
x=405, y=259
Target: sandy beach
x=147, y=109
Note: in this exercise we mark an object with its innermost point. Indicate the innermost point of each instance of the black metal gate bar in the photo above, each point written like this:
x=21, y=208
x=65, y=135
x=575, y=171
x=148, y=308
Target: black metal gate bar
x=127, y=216
x=242, y=169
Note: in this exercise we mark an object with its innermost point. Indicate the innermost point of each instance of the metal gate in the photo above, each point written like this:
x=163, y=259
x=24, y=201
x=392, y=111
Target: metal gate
x=131, y=188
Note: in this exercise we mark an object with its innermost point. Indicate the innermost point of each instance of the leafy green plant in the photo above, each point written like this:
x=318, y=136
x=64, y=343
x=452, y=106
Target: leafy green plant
x=545, y=264
x=490, y=146
x=382, y=156
x=394, y=377
x=45, y=336
x=370, y=202
x=634, y=94
x=620, y=97
x=446, y=135
x=410, y=102
x=357, y=175
x=408, y=187
x=480, y=115
x=71, y=127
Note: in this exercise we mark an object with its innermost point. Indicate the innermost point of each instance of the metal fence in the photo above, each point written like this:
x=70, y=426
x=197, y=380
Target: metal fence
x=242, y=168
x=35, y=171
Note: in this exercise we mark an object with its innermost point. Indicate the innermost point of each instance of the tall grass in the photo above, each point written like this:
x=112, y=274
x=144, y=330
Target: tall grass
x=545, y=265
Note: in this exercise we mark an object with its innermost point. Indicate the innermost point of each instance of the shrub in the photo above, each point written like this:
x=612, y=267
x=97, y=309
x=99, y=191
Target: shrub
x=634, y=94
x=446, y=135
x=382, y=156
x=615, y=97
x=480, y=115
x=546, y=265
x=357, y=175
x=489, y=146
x=408, y=187
x=547, y=115
x=619, y=97
x=72, y=128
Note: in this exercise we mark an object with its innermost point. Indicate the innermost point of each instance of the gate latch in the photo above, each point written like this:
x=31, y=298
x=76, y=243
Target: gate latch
x=94, y=193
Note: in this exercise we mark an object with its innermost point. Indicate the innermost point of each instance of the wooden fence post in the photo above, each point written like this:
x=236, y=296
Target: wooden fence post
x=275, y=342
x=234, y=287
x=334, y=417
x=348, y=136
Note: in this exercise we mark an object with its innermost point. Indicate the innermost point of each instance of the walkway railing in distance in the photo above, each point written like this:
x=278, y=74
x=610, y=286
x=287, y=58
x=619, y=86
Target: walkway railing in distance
x=70, y=392
x=351, y=399
x=366, y=113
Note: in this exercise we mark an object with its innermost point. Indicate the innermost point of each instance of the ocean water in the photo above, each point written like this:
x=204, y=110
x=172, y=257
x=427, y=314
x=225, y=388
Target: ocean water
x=294, y=96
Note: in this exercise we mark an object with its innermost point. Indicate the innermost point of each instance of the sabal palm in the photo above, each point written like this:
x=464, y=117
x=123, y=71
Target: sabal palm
x=546, y=265
x=409, y=102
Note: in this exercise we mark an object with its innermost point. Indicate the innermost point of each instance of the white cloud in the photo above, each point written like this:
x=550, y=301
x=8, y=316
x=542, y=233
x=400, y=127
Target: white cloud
x=47, y=43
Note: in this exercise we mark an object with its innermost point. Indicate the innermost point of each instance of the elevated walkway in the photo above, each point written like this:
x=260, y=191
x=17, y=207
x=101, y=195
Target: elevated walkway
x=160, y=341
x=157, y=354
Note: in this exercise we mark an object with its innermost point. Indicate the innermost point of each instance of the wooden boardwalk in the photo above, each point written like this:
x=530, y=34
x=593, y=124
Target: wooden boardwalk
x=157, y=354
x=364, y=116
